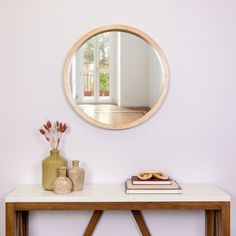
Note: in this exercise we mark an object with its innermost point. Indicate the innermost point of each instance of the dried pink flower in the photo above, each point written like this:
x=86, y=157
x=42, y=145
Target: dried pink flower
x=42, y=131
x=53, y=134
x=49, y=124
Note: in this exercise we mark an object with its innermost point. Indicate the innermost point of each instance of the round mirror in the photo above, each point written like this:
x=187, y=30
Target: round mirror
x=116, y=77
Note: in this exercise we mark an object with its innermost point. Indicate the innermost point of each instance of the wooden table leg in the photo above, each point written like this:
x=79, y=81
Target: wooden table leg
x=218, y=221
x=209, y=222
x=22, y=221
x=225, y=219
x=141, y=222
x=93, y=222
x=10, y=219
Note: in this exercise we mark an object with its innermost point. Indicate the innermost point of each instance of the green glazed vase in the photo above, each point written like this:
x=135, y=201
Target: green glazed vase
x=50, y=168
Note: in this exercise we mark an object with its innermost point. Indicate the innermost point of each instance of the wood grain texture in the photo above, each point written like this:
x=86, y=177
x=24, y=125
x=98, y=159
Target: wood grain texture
x=22, y=221
x=118, y=205
x=141, y=222
x=225, y=219
x=218, y=221
x=217, y=213
x=93, y=222
x=10, y=219
x=209, y=222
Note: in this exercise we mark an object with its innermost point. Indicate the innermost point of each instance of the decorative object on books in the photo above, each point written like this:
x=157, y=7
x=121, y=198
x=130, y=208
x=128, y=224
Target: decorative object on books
x=171, y=188
x=76, y=174
x=54, y=161
x=148, y=174
x=144, y=176
x=136, y=180
x=62, y=184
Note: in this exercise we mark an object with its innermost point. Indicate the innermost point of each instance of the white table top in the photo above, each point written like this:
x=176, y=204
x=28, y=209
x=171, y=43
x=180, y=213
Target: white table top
x=116, y=193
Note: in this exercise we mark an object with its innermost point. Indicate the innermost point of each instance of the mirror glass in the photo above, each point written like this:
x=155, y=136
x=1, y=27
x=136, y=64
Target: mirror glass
x=115, y=78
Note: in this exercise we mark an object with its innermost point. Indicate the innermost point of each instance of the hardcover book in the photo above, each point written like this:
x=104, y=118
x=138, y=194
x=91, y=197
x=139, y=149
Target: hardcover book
x=152, y=189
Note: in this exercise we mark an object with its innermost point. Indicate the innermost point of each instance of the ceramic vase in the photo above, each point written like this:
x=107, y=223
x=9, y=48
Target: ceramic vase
x=50, y=168
x=76, y=174
x=62, y=184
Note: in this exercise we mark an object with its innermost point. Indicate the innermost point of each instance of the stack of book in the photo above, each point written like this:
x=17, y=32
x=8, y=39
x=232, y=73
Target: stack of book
x=153, y=185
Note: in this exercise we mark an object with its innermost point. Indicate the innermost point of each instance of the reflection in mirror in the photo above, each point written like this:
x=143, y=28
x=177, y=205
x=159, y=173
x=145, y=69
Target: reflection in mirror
x=116, y=78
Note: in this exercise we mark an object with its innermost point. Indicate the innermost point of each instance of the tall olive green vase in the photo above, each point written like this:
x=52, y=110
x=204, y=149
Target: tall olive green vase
x=50, y=168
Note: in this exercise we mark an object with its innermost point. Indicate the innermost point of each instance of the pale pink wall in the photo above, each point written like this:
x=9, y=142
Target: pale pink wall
x=193, y=136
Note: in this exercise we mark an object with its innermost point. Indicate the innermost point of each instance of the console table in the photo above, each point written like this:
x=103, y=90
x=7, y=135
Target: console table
x=102, y=197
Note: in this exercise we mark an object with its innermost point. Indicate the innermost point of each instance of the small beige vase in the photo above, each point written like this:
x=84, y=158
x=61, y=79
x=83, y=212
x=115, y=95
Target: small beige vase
x=50, y=167
x=76, y=174
x=62, y=184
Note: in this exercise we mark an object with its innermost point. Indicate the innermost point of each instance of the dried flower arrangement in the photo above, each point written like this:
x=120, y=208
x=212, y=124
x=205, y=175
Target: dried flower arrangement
x=53, y=134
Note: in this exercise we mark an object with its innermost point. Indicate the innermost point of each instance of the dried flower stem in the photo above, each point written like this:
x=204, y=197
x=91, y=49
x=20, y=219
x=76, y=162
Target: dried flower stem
x=53, y=134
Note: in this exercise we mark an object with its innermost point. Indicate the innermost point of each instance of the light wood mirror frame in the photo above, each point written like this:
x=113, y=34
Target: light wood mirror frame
x=126, y=29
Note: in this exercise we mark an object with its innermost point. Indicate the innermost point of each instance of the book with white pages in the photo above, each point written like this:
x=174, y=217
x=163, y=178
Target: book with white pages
x=154, y=188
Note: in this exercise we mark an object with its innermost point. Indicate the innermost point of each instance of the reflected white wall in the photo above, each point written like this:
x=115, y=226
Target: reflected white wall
x=155, y=77
x=133, y=71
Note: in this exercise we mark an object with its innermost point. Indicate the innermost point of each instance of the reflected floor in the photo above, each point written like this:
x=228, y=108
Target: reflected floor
x=113, y=114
